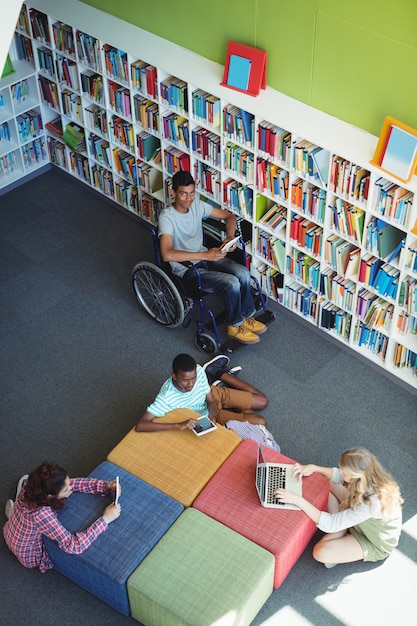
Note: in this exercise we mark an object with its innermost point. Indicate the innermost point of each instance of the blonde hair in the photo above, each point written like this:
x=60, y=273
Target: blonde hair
x=368, y=477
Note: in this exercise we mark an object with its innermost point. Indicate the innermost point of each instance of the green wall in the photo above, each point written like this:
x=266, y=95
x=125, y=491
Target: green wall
x=356, y=60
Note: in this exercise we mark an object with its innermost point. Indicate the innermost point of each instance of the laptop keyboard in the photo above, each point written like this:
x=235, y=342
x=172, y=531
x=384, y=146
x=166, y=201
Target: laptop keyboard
x=277, y=476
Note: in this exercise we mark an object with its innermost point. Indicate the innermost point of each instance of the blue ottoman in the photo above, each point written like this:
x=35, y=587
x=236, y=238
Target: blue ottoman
x=105, y=566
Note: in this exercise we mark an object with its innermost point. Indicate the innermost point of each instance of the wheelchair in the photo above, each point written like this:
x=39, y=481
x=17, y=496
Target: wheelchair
x=172, y=302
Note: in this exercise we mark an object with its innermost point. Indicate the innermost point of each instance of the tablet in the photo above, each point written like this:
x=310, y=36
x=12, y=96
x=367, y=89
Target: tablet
x=204, y=425
x=230, y=244
x=117, y=493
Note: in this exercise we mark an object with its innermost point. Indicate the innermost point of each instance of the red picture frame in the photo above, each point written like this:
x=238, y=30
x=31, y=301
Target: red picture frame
x=245, y=68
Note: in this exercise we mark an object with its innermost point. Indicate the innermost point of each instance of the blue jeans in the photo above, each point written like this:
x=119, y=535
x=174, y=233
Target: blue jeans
x=233, y=281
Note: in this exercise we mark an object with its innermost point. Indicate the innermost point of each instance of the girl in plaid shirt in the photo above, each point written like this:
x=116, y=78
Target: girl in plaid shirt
x=35, y=513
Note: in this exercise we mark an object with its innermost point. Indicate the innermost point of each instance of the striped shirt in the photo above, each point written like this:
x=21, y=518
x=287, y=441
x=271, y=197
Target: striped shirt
x=24, y=529
x=170, y=398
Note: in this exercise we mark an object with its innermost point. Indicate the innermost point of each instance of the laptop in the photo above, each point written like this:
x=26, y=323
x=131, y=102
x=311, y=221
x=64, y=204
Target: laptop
x=271, y=476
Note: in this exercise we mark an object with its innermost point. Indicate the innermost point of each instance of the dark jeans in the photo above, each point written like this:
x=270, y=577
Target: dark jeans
x=232, y=281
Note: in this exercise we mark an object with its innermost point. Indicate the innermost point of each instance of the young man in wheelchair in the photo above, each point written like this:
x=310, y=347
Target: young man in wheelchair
x=181, y=240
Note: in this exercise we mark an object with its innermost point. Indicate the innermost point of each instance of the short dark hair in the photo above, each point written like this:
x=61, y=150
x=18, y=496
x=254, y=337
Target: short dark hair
x=183, y=363
x=182, y=179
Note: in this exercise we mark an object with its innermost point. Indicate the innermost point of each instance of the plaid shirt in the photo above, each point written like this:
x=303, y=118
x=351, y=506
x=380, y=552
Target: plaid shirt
x=24, y=529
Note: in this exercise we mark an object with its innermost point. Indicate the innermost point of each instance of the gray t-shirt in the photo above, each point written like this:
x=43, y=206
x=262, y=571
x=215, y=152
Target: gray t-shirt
x=186, y=229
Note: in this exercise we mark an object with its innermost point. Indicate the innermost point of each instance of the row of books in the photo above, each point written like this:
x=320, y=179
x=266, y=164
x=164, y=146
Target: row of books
x=23, y=22
x=349, y=180
x=149, y=146
x=392, y=200
x=125, y=164
x=116, y=63
x=239, y=161
x=206, y=145
x=208, y=180
x=49, y=92
x=403, y=357
x=24, y=48
x=92, y=86
x=384, y=240
x=373, y=310
x=408, y=295
x=238, y=125
x=343, y=256
x=410, y=261
x=307, y=234
x=5, y=134
x=371, y=338
x=63, y=37
x=238, y=198
x=335, y=320
x=275, y=218
x=19, y=91
x=274, y=143
x=339, y=289
x=71, y=105
x=176, y=131
x=67, y=72
x=381, y=276
x=270, y=249
x=347, y=219
x=309, y=199
x=29, y=124
x=8, y=163
x=46, y=62
x=122, y=133
x=303, y=268
x=119, y=99
x=57, y=152
x=407, y=324
x=174, y=93
x=147, y=114
x=144, y=78
x=74, y=137
x=149, y=208
x=175, y=160
x=96, y=119
x=34, y=152
x=99, y=149
x=206, y=107
x=272, y=179
x=88, y=49
x=79, y=166
x=40, y=28
x=124, y=192
x=270, y=280
x=103, y=180
x=301, y=299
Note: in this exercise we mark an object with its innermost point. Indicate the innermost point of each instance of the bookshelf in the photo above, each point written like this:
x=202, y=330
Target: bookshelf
x=332, y=238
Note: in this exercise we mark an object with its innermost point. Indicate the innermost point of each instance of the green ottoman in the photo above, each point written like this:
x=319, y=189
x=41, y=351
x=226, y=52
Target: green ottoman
x=201, y=573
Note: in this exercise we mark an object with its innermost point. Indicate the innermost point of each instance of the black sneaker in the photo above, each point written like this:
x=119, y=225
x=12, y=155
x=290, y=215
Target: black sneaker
x=216, y=367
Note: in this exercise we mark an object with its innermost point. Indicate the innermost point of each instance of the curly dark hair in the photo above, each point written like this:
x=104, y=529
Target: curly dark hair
x=43, y=486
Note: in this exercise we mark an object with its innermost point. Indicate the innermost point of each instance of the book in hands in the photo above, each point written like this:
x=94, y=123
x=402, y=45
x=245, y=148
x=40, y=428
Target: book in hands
x=203, y=426
x=230, y=244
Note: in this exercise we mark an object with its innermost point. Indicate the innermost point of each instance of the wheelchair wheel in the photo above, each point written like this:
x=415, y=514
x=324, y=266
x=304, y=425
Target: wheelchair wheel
x=206, y=342
x=158, y=295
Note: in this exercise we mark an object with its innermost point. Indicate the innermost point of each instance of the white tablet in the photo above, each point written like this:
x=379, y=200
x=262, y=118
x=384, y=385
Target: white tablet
x=230, y=244
x=204, y=425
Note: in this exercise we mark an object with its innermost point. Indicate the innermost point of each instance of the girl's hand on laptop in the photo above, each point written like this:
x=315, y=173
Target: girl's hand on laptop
x=286, y=496
x=303, y=470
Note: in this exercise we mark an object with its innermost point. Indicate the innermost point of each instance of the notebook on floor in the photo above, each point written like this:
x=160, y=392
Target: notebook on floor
x=270, y=476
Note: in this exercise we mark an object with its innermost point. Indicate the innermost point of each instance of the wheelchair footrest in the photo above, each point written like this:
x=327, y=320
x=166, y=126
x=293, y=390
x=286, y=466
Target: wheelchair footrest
x=230, y=345
x=265, y=317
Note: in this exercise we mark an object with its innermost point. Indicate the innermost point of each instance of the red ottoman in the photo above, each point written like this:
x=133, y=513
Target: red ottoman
x=230, y=497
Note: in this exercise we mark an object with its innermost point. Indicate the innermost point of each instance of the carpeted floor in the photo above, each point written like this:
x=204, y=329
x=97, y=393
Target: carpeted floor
x=80, y=362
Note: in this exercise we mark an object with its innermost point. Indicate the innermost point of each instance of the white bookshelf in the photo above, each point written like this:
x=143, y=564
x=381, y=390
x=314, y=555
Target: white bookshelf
x=135, y=139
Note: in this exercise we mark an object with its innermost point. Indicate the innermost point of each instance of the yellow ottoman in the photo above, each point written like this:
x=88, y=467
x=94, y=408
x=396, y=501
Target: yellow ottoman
x=177, y=462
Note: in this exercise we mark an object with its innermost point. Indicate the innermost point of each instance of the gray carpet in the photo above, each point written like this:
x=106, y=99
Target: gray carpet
x=80, y=362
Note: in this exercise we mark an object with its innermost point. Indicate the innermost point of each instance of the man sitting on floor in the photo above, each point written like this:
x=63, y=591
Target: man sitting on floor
x=188, y=388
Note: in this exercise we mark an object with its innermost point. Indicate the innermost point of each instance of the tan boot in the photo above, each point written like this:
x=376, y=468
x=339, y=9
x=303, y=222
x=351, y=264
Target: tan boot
x=242, y=334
